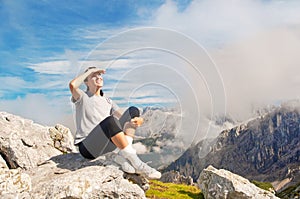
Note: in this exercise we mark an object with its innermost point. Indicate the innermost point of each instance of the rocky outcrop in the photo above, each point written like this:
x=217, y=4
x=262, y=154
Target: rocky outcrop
x=219, y=184
x=24, y=144
x=176, y=177
x=41, y=162
x=70, y=175
x=62, y=138
x=264, y=149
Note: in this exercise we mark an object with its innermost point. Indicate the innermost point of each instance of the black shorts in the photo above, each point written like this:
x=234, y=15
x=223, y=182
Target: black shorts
x=98, y=142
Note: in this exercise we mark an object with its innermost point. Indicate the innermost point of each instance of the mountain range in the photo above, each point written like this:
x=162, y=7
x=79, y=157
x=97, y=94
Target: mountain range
x=265, y=148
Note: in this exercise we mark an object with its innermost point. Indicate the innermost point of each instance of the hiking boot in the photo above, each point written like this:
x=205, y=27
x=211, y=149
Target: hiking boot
x=139, y=166
x=125, y=165
x=147, y=171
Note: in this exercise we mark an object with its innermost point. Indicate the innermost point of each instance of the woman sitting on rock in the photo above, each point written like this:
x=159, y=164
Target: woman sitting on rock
x=101, y=128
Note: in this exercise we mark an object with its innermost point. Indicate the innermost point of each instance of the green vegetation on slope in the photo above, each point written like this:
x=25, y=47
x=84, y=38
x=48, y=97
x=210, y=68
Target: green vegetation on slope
x=170, y=190
x=263, y=185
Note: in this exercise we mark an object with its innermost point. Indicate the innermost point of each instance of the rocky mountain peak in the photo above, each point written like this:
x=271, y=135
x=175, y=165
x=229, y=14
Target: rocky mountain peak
x=266, y=148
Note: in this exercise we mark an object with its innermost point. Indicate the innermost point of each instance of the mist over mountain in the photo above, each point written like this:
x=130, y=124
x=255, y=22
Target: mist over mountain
x=265, y=148
x=162, y=138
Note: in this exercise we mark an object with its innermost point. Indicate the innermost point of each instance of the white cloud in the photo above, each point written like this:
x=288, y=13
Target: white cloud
x=253, y=43
x=67, y=63
x=54, y=86
x=39, y=108
x=14, y=83
x=266, y=69
x=217, y=22
x=52, y=67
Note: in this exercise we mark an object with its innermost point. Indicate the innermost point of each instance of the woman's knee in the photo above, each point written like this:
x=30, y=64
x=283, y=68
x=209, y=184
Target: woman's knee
x=110, y=126
x=134, y=111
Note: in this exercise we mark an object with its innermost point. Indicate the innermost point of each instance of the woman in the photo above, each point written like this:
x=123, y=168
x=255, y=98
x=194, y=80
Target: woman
x=101, y=128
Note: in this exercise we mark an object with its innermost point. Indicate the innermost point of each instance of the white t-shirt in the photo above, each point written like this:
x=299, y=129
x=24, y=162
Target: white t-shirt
x=90, y=111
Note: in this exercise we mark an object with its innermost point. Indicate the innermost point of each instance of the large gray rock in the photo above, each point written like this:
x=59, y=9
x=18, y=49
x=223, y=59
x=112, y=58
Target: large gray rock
x=219, y=184
x=87, y=182
x=75, y=168
x=41, y=162
x=25, y=144
x=72, y=176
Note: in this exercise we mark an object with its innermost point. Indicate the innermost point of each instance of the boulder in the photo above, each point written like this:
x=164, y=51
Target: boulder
x=87, y=182
x=24, y=144
x=68, y=163
x=72, y=176
x=216, y=184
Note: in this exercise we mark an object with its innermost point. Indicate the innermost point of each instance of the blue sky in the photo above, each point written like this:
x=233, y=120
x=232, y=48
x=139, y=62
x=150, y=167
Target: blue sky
x=34, y=32
x=251, y=44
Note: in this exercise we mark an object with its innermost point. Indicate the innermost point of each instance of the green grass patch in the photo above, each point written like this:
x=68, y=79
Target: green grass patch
x=161, y=190
x=263, y=185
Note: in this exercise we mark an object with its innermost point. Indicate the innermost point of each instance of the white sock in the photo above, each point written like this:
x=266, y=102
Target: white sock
x=130, y=154
x=129, y=139
x=129, y=149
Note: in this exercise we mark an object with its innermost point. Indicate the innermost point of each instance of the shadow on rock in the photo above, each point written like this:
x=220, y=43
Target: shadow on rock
x=74, y=161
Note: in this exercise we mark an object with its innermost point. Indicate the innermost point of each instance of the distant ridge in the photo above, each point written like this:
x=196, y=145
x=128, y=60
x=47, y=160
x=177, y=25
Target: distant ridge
x=264, y=149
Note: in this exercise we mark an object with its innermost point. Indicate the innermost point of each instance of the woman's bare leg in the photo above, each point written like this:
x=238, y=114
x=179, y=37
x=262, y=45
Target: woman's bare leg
x=119, y=140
